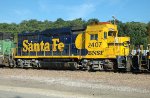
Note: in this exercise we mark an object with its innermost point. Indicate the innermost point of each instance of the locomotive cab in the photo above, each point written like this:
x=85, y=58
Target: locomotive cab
x=111, y=36
x=104, y=47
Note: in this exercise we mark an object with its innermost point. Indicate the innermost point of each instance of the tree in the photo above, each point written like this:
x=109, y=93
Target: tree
x=93, y=20
x=120, y=27
x=148, y=32
x=77, y=23
x=59, y=23
x=137, y=32
x=9, y=28
x=33, y=25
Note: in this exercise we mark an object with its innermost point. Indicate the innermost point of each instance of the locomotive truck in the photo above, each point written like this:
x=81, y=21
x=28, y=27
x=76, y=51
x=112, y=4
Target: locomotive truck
x=97, y=47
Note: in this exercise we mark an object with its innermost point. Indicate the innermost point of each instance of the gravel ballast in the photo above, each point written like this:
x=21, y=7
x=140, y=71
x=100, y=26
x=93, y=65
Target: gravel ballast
x=124, y=82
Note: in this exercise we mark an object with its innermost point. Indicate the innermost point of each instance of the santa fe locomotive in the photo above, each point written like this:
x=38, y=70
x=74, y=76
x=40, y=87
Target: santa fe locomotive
x=98, y=47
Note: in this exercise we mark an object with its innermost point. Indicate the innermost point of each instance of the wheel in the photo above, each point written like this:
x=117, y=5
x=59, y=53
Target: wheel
x=115, y=67
x=20, y=63
x=12, y=63
x=75, y=66
x=129, y=65
x=6, y=62
x=109, y=65
x=89, y=68
x=149, y=65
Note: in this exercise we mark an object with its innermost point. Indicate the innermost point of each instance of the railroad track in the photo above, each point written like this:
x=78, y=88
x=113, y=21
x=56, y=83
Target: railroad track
x=84, y=70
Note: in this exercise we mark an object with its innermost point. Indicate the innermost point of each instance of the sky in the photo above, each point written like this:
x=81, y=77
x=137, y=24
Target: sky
x=15, y=11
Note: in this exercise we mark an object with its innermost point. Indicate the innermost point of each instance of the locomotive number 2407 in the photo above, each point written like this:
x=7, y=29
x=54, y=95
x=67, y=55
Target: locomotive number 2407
x=94, y=44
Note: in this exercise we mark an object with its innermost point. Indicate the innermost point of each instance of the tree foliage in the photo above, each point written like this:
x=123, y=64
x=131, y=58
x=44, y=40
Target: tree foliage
x=148, y=32
x=137, y=31
x=93, y=20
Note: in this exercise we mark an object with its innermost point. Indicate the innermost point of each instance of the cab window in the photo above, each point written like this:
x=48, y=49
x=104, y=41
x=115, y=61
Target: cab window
x=105, y=35
x=93, y=36
x=112, y=33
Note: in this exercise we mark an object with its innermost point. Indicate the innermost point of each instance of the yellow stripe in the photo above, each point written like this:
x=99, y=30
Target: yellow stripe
x=63, y=57
x=89, y=57
x=35, y=57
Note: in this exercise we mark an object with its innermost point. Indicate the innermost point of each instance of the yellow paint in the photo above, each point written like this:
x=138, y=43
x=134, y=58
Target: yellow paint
x=107, y=45
x=80, y=41
x=35, y=57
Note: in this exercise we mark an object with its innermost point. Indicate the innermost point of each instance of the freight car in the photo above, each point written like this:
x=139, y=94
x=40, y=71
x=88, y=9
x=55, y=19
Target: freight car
x=6, y=45
x=97, y=47
x=141, y=60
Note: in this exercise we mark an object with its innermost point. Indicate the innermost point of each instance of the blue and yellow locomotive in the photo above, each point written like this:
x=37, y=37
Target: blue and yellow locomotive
x=97, y=47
